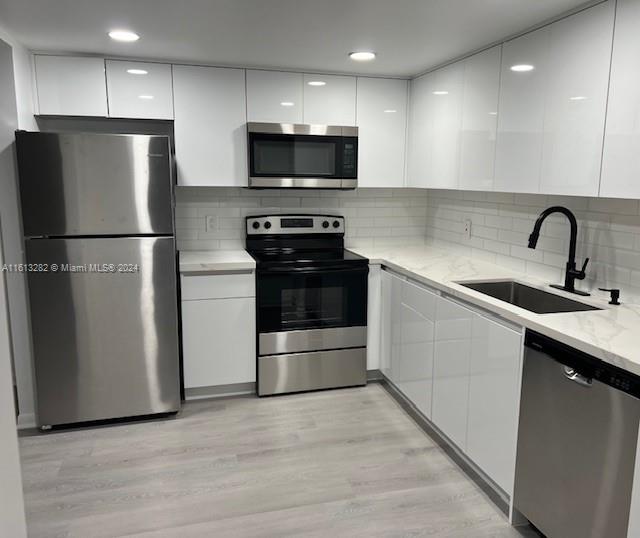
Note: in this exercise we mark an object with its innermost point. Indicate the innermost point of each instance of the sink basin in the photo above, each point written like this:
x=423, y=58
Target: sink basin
x=532, y=299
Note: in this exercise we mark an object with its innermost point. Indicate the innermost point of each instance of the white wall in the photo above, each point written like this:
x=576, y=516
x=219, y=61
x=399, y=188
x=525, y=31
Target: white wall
x=373, y=216
x=608, y=233
x=15, y=98
x=12, y=521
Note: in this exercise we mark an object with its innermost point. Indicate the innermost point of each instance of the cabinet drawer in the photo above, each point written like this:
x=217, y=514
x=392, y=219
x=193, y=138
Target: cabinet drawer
x=222, y=286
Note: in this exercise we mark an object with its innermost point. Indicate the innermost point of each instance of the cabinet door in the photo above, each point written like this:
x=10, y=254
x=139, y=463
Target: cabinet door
x=447, y=124
x=331, y=103
x=551, y=118
x=210, y=126
x=452, y=355
x=494, y=395
x=374, y=317
x=381, y=116
x=396, y=329
x=218, y=338
x=621, y=159
x=576, y=102
x=521, y=113
x=274, y=96
x=386, y=280
x=139, y=90
x=415, y=360
x=421, y=134
x=479, y=120
x=70, y=86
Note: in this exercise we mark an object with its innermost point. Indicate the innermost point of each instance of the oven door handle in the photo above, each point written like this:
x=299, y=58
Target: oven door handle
x=310, y=270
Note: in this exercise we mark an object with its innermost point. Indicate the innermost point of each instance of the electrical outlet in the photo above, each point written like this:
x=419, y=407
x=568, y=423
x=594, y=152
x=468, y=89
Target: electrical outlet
x=467, y=228
x=211, y=223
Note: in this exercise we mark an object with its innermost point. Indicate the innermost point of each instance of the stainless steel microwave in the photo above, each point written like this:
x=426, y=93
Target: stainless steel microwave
x=302, y=156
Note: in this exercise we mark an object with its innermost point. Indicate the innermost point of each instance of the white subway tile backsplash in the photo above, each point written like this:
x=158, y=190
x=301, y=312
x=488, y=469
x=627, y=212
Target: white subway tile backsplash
x=396, y=215
x=609, y=233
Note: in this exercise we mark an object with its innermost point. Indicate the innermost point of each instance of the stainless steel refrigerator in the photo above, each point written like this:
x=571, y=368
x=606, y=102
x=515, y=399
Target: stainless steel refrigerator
x=101, y=269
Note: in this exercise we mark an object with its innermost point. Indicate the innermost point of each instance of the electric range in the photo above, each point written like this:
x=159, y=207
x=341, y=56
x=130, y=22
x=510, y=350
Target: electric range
x=311, y=304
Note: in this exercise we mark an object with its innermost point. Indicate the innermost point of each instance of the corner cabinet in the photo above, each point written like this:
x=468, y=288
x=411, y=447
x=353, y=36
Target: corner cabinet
x=218, y=329
x=452, y=124
x=621, y=158
x=382, y=124
x=70, y=86
x=459, y=366
x=210, y=126
x=553, y=100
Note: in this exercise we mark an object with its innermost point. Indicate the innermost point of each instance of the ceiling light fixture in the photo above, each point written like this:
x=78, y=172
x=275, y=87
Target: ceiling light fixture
x=390, y=111
x=124, y=35
x=578, y=98
x=362, y=56
x=286, y=103
x=316, y=83
x=521, y=68
x=145, y=96
x=137, y=71
x=441, y=92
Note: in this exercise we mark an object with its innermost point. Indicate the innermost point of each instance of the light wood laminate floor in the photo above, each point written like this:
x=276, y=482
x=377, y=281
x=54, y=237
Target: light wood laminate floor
x=334, y=463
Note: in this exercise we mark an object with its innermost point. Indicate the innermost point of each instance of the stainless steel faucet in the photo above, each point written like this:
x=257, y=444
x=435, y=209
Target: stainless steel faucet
x=571, y=274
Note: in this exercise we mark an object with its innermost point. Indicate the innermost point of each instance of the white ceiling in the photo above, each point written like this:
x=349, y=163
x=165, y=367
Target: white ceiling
x=408, y=35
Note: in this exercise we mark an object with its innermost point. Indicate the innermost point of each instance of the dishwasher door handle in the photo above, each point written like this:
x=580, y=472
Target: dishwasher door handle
x=574, y=376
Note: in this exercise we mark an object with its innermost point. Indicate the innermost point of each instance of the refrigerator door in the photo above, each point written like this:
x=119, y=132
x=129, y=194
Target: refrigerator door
x=105, y=344
x=94, y=184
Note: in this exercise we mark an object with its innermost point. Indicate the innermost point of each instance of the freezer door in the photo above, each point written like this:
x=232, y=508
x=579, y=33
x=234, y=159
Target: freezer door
x=105, y=344
x=94, y=184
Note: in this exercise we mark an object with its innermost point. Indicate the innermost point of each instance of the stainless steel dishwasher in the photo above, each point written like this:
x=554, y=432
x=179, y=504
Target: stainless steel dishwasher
x=577, y=440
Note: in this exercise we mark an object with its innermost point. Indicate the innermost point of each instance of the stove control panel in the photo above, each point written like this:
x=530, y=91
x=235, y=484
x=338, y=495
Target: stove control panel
x=295, y=224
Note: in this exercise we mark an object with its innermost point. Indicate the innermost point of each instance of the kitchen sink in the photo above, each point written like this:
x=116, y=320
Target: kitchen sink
x=532, y=299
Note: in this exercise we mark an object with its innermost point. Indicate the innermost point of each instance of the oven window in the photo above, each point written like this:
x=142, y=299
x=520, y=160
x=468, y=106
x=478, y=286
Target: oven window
x=294, y=156
x=319, y=300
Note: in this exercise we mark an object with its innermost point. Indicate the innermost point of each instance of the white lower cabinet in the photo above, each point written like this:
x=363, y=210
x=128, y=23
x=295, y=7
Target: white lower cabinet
x=494, y=395
x=415, y=358
x=452, y=354
x=460, y=367
x=218, y=330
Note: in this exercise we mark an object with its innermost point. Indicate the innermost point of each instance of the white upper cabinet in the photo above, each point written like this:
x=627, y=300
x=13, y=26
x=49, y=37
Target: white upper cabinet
x=70, y=86
x=446, y=98
x=551, y=116
x=329, y=99
x=479, y=119
x=382, y=124
x=210, y=126
x=521, y=112
x=420, y=143
x=621, y=160
x=274, y=96
x=139, y=90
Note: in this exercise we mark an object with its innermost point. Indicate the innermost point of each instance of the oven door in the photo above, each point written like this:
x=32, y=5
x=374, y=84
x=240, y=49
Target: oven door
x=310, y=309
x=301, y=160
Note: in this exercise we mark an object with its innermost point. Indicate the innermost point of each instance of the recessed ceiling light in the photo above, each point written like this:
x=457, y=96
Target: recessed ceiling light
x=390, y=111
x=362, y=56
x=123, y=35
x=522, y=68
x=145, y=96
x=493, y=113
x=441, y=92
x=286, y=103
x=316, y=83
x=578, y=98
x=137, y=71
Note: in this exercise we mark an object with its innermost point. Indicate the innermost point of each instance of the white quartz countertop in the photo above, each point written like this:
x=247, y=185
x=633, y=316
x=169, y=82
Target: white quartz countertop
x=611, y=334
x=212, y=261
